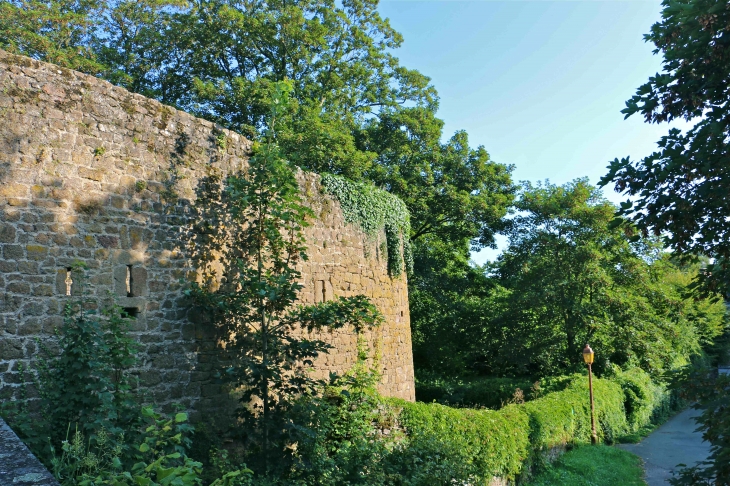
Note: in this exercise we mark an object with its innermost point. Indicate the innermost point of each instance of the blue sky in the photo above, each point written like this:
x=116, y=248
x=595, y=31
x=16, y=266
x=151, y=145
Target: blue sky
x=539, y=83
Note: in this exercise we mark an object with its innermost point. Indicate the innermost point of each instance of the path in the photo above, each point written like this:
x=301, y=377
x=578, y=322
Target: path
x=673, y=443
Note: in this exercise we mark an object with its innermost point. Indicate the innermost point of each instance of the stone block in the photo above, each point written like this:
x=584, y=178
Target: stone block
x=7, y=233
x=14, y=190
x=36, y=252
x=18, y=288
x=11, y=348
x=13, y=252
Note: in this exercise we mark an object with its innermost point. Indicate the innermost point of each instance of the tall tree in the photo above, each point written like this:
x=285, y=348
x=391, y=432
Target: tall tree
x=572, y=277
x=57, y=31
x=455, y=193
x=246, y=242
x=337, y=55
x=680, y=190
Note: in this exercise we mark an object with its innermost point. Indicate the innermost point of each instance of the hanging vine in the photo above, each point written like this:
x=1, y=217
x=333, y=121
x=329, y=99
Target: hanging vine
x=374, y=210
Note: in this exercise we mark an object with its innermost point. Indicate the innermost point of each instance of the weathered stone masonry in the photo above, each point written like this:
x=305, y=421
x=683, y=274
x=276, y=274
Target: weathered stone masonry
x=90, y=172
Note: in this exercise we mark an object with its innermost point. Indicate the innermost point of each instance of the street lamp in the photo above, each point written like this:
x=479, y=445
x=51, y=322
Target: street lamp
x=588, y=358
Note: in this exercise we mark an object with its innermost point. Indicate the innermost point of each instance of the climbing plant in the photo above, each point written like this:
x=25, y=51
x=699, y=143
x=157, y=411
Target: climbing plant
x=374, y=210
x=247, y=242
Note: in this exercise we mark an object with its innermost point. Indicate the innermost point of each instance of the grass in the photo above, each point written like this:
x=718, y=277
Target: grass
x=640, y=434
x=593, y=466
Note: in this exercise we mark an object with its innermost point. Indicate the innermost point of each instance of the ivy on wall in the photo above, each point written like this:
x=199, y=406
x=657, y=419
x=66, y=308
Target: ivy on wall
x=374, y=210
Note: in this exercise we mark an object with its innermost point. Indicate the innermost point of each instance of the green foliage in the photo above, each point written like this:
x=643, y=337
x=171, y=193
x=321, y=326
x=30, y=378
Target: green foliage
x=594, y=465
x=160, y=458
x=247, y=243
x=349, y=432
x=474, y=392
x=570, y=276
x=645, y=402
x=447, y=444
x=476, y=445
x=374, y=210
x=58, y=31
x=451, y=305
x=453, y=192
x=80, y=460
x=563, y=417
x=88, y=384
x=678, y=191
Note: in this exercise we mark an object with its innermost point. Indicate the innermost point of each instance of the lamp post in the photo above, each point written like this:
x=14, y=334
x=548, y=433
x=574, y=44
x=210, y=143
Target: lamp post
x=588, y=358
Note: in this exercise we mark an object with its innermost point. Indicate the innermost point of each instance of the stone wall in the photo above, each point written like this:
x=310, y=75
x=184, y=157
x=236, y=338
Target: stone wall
x=18, y=466
x=90, y=172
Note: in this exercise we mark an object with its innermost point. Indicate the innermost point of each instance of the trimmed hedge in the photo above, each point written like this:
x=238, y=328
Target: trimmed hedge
x=645, y=402
x=466, y=445
x=448, y=443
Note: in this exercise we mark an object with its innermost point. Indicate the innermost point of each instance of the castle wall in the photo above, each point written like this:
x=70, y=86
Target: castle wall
x=93, y=173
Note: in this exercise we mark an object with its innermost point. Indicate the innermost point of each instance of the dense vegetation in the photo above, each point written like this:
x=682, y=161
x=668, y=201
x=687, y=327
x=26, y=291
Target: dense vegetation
x=568, y=276
x=317, y=86
x=602, y=466
x=679, y=190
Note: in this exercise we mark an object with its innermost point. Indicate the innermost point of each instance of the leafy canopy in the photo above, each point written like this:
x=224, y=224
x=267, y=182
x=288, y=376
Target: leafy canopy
x=246, y=243
x=571, y=278
x=680, y=190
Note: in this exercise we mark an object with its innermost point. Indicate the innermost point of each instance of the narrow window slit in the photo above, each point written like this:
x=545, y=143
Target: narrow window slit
x=130, y=312
x=129, y=281
x=69, y=281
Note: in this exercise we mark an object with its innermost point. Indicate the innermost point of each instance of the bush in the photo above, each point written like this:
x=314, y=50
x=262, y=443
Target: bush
x=563, y=417
x=445, y=444
x=476, y=392
x=645, y=402
x=485, y=391
x=160, y=458
x=86, y=387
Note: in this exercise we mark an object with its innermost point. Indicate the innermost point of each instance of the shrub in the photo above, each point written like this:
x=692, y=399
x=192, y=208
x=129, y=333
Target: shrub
x=160, y=458
x=477, y=392
x=346, y=432
x=445, y=444
x=465, y=445
x=645, y=401
x=485, y=391
x=87, y=385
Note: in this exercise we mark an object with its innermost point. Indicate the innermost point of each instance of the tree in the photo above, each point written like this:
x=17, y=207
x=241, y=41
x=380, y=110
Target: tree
x=453, y=192
x=679, y=191
x=247, y=243
x=57, y=31
x=574, y=278
x=450, y=304
x=143, y=46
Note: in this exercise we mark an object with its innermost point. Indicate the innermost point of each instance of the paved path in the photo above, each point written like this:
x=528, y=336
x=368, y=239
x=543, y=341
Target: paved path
x=673, y=443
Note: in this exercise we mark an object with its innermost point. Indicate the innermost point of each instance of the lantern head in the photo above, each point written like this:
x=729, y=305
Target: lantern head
x=588, y=355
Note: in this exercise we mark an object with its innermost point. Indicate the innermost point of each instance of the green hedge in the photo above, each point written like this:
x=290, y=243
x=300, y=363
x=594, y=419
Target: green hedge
x=645, y=402
x=447, y=444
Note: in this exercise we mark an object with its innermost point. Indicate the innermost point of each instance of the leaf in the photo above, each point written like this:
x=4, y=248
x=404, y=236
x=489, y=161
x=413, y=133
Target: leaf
x=181, y=417
x=143, y=447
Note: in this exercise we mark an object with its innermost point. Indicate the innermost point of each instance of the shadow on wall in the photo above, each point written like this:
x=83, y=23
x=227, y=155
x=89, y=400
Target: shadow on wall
x=91, y=173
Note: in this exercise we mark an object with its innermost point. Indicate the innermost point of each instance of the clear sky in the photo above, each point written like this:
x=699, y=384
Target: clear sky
x=540, y=84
